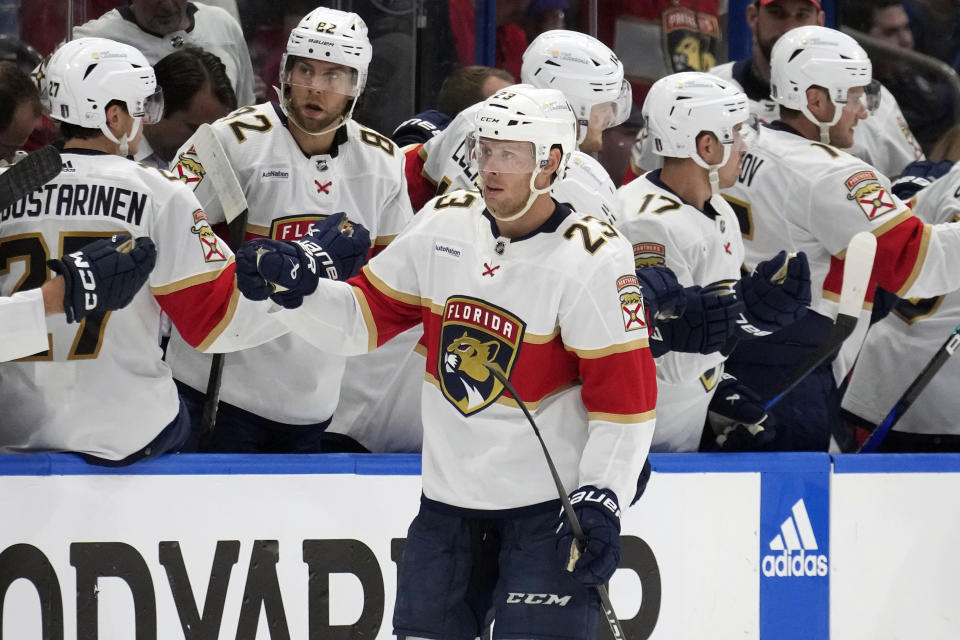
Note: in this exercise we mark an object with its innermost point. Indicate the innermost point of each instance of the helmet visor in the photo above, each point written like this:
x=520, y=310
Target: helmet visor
x=605, y=115
x=871, y=96
x=501, y=156
x=318, y=76
x=149, y=108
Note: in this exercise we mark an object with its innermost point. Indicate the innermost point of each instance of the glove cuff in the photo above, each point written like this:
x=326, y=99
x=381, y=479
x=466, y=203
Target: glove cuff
x=61, y=269
x=604, y=499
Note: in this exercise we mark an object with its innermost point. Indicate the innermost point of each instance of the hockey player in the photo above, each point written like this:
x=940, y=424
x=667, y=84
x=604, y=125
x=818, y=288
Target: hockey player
x=504, y=278
x=905, y=340
x=591, y=78
x=884, y=140
x=100, y=387
x=799, y=193
x=675, y=217
x=299, y=161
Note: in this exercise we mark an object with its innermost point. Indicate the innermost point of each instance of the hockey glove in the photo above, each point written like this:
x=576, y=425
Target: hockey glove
x=599, y=516
x=105, y=274
x=776, y=295
x=709, y=318
x=663, y=296
x=738, y=419
x=917, y=175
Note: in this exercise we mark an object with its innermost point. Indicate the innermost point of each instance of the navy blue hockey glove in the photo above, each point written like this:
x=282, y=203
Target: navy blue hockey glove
x=105, y=274
x=333, y=249
x=420, y=127
x=776, y=295
x=710, y=317
x=663, y=296
x=599, y=516
x=917, y=175
x=738, y=419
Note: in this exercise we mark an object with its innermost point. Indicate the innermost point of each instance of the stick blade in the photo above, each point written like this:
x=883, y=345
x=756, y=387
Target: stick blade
x=29, y=174
x=857, y=267
x=217, y=167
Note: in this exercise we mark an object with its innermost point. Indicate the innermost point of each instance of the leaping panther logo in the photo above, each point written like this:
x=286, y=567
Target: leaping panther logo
x=475, y=334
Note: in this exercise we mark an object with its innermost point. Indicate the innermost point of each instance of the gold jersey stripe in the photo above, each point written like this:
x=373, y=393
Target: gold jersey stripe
x=193, y=280
x=591, y=354
x=389, y=291
x=224, y=321
x=382, y=241
x=622, y=418
x=258, y=230
x=918, y=263
x=532, y=405
x=368, y=320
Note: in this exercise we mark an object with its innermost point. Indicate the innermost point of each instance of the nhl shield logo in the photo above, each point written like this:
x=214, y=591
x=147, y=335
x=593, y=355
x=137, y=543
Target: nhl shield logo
x=474, y=334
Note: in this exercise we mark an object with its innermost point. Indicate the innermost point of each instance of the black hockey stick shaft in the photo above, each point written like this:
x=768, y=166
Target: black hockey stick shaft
x=29, y=174
x=913, y=391
x=615, y=627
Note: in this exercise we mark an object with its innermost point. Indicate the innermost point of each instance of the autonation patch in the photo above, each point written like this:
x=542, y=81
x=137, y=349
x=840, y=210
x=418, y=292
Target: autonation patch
x=795, y=553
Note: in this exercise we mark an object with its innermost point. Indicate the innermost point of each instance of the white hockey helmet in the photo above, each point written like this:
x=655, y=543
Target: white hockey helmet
x=818, y=56
x=332, y=36
x=681, y=106
x=585, y=70
x=84, y=75
x=587, y=188
x=541, y=118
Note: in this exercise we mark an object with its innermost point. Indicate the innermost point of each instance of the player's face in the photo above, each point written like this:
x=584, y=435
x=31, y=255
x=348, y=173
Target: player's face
x=319, y=92
x=855, y=110
x=730, y=171
x=21, y=126
x=769, y=22
x=505, y=168
x=160, y=16
x=175, y=128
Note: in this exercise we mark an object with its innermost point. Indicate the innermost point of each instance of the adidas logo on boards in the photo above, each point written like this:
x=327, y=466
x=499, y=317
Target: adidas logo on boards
x=794, y=545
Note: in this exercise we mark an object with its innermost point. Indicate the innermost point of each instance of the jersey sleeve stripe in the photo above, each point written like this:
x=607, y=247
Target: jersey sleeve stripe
x=258, y=230
x=889, y=224
x=193, y=280
x=536, y=338
x=632, y=392
x=622, y=419
x=387, y=290
x=918, y=263
x=367, y=318
x=224, y=321
x=382, y=241
x=591, y=354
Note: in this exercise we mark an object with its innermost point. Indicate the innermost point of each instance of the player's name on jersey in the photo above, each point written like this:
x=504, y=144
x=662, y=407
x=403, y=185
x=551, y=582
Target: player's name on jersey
x=56, y=199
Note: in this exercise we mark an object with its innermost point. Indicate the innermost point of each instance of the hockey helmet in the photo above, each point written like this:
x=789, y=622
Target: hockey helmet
x=333, y=36
x=681, y=106
x=585, y=70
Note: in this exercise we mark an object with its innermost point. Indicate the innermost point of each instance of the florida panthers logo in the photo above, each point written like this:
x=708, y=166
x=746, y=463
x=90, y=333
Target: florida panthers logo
x=475, y=335
x=189, y=170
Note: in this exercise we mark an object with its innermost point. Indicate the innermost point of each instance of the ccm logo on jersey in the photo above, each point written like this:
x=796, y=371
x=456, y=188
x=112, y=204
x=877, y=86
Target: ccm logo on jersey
x=631, y=303
x=866, y=190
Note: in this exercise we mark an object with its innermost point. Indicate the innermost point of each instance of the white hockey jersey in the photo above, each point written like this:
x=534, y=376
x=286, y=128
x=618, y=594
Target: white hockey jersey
x=24, y=329
x=287, y=380
x=213, y=29
x=898, y=347
x=100, y=386
x=700, y=247
x=558, y=311
x=801, y=195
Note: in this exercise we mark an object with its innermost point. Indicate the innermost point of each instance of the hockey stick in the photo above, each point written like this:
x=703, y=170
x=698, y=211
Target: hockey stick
x=916, y=387
x=29, y=174
x=857, y=266
x=608, y=611
x=217, y=167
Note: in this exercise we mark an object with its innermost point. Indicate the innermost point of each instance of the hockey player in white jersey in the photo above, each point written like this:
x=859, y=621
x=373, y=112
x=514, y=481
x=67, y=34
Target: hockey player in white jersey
x=899, y=346
x=802, y=194
x=100, y=387
x=676, y=217
x=883, y=140
x=299, y=162
x=505, y=278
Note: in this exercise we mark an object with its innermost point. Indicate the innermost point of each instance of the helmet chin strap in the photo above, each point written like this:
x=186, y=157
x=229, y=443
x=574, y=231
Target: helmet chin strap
x=534, y=193
x=824, y=126
x=342, y=119
x=123, y=142
x=714, y=169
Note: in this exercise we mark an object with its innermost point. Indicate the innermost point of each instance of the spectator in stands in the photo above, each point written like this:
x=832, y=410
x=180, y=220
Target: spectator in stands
x=464, y=87
x=19, y=109
x=925, y=99
x=160, y=27
x=936, y=28
x=196, y=90
x=511, y=40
